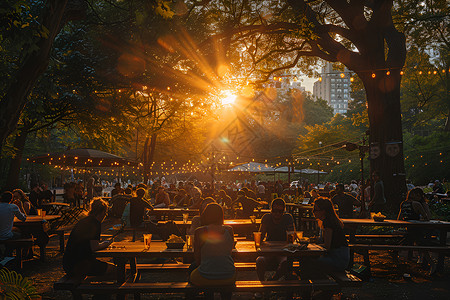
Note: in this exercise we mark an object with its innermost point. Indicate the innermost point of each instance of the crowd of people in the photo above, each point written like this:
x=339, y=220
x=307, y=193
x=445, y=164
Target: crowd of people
x=213, y=241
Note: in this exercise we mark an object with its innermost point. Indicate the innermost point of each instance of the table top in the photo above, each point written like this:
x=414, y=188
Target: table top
x=243, y=250
x=55, y=204
x=397, y=223
x=231, y=222
x=175, y=210
x=36, y=219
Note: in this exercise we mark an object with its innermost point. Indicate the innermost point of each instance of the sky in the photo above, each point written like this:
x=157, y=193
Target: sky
x=308, y=83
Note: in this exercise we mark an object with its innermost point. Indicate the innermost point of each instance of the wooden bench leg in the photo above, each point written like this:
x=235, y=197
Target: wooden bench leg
x=61, y=240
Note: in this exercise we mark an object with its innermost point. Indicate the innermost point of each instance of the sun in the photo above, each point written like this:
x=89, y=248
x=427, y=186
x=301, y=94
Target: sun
x=228, y=98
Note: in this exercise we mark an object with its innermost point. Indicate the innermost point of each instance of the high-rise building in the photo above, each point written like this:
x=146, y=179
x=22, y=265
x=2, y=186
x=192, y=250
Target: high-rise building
x=333, y=87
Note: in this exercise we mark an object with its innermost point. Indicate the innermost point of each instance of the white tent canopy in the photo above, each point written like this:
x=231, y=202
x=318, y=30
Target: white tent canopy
x=286, y=170
x=311, y=171
x=253, y=167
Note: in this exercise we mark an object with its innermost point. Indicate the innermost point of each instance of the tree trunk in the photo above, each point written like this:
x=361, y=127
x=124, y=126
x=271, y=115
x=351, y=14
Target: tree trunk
x=149, y=152
x=55, y=14
x=383, y=97
x=12, y=180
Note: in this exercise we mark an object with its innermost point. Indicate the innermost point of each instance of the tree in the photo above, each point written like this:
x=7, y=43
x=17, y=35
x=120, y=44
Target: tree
x=360, y=35
x=55, y=14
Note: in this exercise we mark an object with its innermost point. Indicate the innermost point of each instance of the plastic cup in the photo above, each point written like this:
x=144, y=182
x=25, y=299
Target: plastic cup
x=185, y=218
x=190, y=242
x=290, y=237
x=257, y=237
x=39, y=212
x=44, y=213
x=299, y=235
x=147, y=240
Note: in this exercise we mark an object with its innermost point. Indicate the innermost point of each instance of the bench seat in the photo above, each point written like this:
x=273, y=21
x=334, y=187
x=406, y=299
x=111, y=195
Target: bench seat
x=250, y=286
x=18, y=245
x=444, y=249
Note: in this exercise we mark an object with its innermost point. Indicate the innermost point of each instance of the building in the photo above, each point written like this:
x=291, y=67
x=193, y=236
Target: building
x=333, y=87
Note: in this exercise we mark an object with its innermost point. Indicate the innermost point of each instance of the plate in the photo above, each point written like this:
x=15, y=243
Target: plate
x=175, y=245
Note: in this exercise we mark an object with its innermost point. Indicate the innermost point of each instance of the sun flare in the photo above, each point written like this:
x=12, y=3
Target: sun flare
x=229, y=98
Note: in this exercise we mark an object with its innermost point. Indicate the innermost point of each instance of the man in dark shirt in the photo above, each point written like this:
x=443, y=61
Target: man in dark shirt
x=138, y=207
x=45, y=195
x=78, y=260
x=34, y=196
x=345, y=202
x=274, y=227
x=119, y=202
x=248, y=204
x=116, y=190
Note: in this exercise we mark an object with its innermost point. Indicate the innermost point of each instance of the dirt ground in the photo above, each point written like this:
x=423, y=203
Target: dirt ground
x=387, y=280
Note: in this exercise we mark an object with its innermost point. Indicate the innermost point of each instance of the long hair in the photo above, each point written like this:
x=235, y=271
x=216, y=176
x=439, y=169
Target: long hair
x=416, y=194
x=213, y=214
x=23, y=197
x=330, y=214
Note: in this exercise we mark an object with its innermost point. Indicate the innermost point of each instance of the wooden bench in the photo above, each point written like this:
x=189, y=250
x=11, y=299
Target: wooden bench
x=17, y=245
x=248, y=286
x=181, y=267
x=365, y=248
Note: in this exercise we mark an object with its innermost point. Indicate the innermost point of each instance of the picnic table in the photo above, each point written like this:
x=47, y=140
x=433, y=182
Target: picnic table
x=37, y=226
x=244, y=251
x=173, y=213
x=55, y=208
x=239, y=225
x=441, y=226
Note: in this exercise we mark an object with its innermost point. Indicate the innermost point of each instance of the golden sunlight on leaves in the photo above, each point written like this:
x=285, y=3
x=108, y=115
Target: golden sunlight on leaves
x=222, y=70
x=228, y=98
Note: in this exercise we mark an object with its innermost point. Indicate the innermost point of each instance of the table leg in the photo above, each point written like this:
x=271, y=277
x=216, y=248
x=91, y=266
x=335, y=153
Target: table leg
x=121, y=274
x=441, y=255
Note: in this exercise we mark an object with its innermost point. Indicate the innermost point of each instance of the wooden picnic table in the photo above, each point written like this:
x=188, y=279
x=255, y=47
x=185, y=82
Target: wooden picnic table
x=37, y=226
x=441, y=226
x=173, y=213
x=55, y=208
x=244, y=251
x=239, y=225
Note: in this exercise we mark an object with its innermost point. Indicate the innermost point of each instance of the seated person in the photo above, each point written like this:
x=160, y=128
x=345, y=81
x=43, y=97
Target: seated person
x=116, y=190
x=22, y=201
x=182, y=198
x=248, y=205
x=78, y=260
x=274, y=227
x=213, y=243
x=162, y=198
x=345, y=202
x=338, y=256
x=415, y=208
x=196, y=220
x=46, y=196
x=224, y=199
x=34, y=195
x=138, y=207
x=196, y=197
x=119, y=202
x=7, y=213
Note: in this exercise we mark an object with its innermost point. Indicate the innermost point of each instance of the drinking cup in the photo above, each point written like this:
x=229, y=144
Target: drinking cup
x=147, y=240
x=299, y=235
x=44, y=213
x=185, y=218
x=290, y=237
x=39, y=212
x=257, y=237
x=190, y=242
